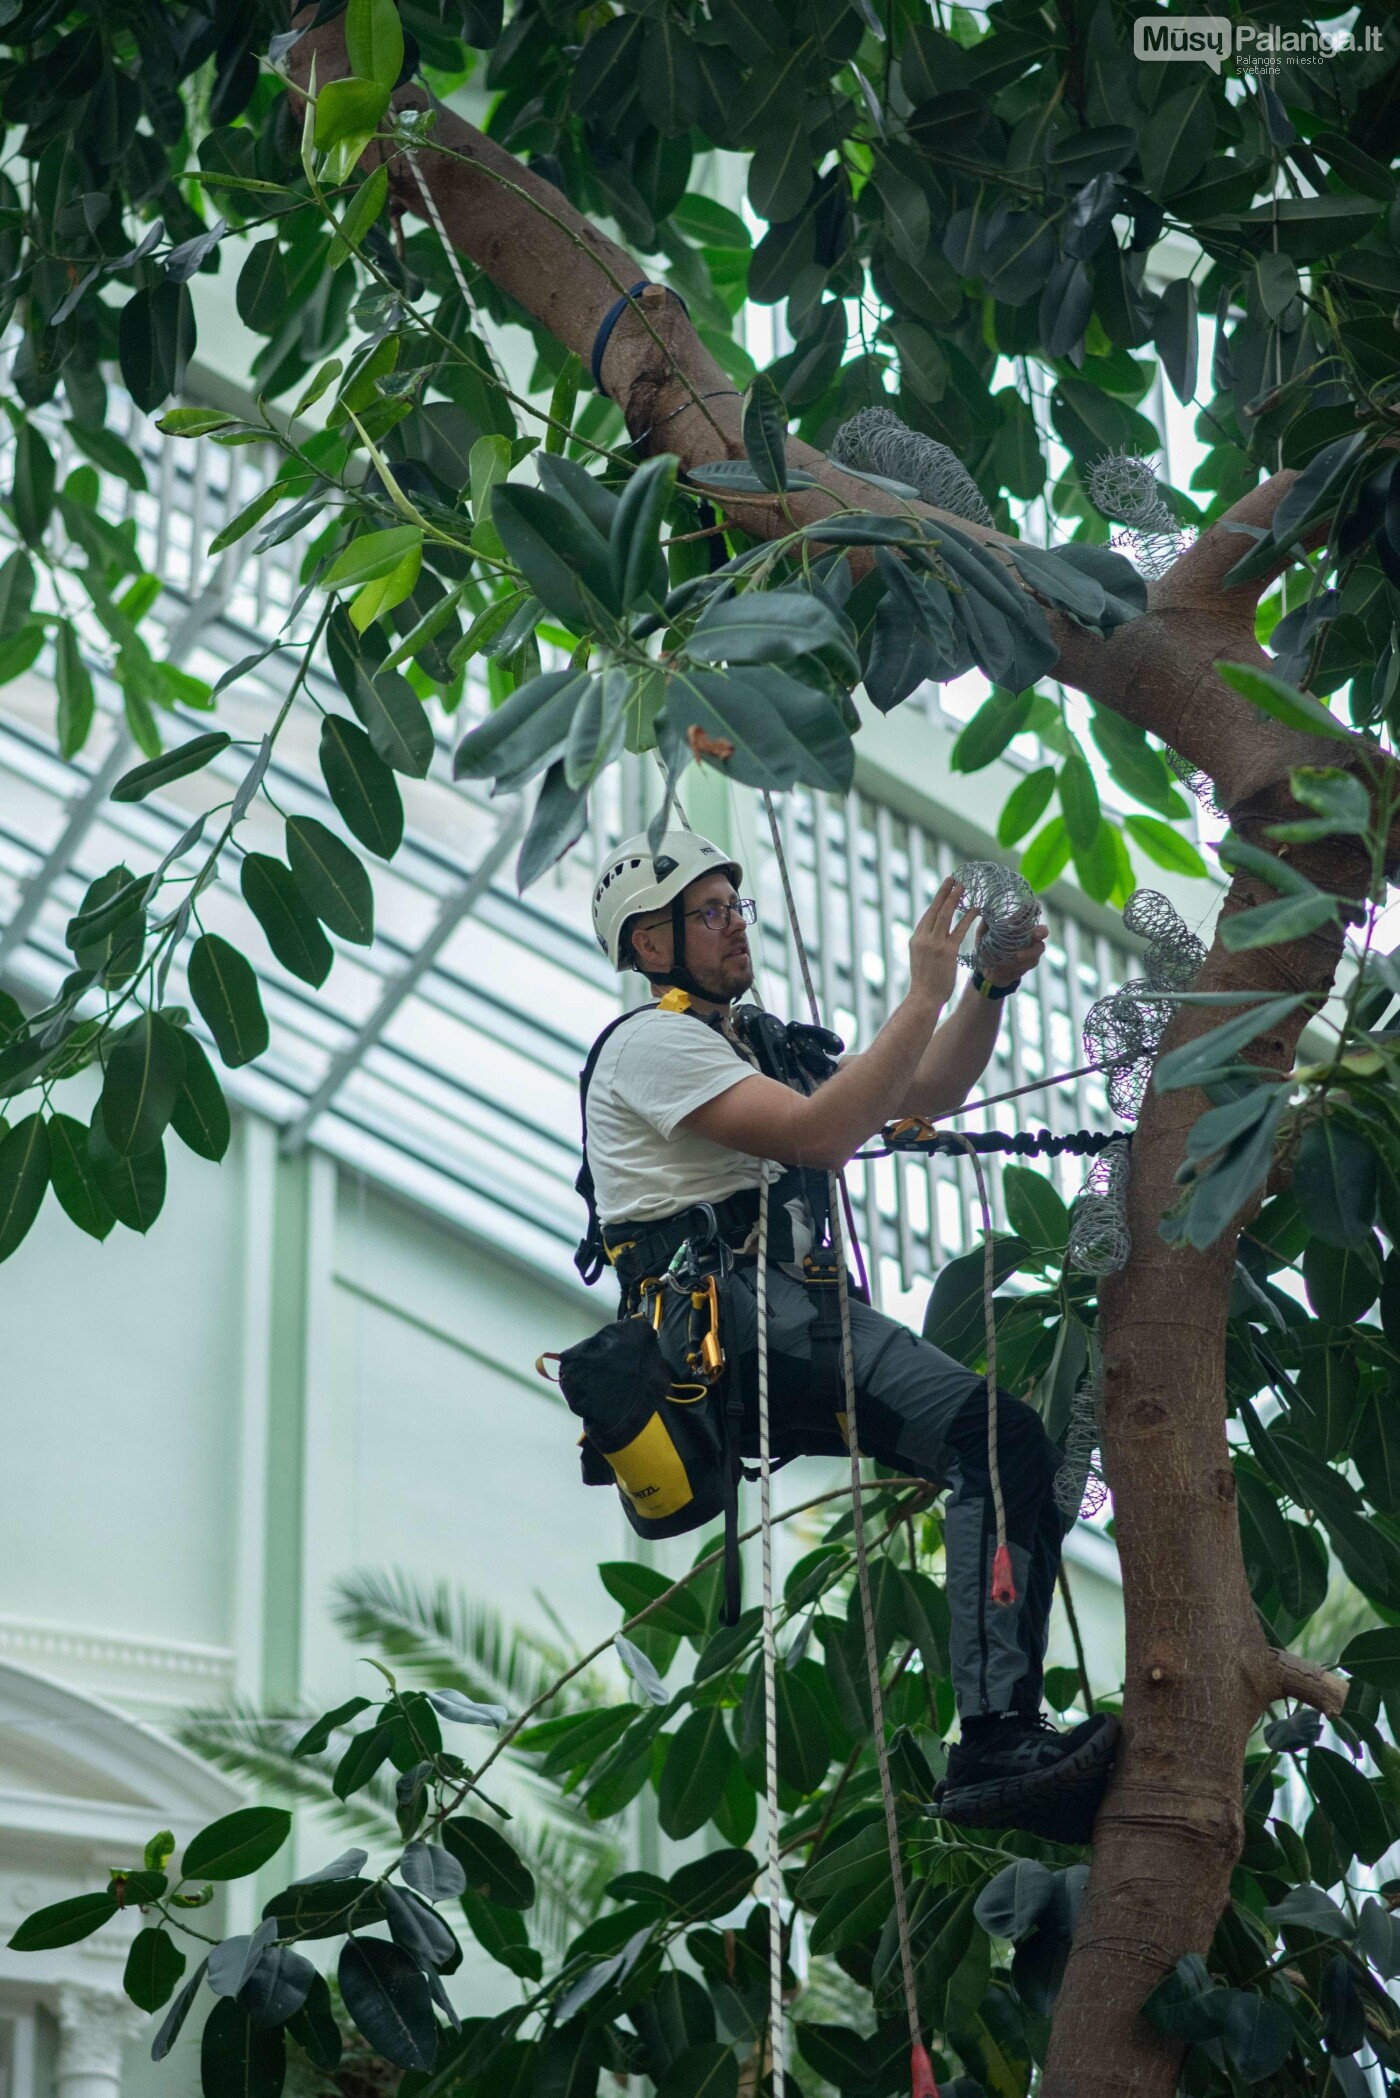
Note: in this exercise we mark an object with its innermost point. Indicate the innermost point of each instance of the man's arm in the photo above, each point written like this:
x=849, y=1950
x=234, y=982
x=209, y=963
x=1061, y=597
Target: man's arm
x=823, y=1128
x=960, y=1049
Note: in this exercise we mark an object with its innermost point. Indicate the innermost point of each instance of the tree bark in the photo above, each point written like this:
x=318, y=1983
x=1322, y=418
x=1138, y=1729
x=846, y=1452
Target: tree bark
x=1199, y=1673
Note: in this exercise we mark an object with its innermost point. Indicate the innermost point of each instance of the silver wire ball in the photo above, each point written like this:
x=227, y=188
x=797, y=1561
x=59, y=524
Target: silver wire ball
x=876, y=441
x=1099, y=1241
x=1008, y=908
x=1174, y=954
x=1079, y=1488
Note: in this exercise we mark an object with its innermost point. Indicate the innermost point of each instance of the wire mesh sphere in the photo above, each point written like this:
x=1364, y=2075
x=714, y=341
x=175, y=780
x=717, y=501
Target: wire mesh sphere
x=1121, y=1034
x=1174, y=954
x=1197, y=783
x=876, y=441
x=1123, y=485
x=1008, y=908
x=1099, y=1242
x=1079, y=1488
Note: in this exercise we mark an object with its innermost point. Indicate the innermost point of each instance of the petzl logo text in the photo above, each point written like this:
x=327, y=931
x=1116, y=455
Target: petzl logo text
x=1205, y=38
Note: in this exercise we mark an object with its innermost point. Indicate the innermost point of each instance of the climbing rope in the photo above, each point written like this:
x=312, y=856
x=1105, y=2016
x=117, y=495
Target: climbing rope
x=921, y=2068
x=776, y=2031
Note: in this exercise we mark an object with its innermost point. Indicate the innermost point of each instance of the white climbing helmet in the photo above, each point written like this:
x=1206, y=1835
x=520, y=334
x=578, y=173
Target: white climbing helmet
x=631, y=882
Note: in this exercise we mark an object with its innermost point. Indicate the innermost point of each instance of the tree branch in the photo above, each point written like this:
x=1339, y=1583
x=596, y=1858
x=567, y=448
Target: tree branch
x=1158, y=671
x=1310, y=1685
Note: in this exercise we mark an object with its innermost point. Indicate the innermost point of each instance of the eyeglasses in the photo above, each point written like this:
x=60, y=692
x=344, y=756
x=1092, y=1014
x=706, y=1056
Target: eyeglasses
x=715, y=917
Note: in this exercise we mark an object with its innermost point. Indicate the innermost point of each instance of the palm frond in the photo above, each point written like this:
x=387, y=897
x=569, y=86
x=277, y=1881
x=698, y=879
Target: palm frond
x=257, y=1747
x=435, y=1633
x=572, y=1860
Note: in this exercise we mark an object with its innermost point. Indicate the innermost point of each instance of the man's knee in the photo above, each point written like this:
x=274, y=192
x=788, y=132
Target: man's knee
x=1026, y=1456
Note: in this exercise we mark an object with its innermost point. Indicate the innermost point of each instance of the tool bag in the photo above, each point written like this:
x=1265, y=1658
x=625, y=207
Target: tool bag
x=662, y=1443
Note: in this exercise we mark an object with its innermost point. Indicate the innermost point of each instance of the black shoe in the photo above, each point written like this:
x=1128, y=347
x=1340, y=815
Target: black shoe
x=1026, y=1774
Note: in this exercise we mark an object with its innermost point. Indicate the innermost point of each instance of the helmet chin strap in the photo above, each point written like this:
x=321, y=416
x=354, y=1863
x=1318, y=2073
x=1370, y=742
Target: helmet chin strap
x=678, y=977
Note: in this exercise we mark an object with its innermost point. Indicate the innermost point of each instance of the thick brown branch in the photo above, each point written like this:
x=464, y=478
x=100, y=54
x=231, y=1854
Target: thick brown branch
x=1158, y=672
x=1309, y=1684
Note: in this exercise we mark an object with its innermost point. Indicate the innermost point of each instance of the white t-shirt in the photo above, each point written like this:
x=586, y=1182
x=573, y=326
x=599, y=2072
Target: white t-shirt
x=652, y=1072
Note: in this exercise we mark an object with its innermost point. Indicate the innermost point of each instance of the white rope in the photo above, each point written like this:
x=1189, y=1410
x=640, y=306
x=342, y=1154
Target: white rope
x=776, y=2031
x=848, y=1375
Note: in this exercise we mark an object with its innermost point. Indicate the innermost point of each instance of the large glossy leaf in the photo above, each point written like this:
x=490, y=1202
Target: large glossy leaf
x=333, y=881
x=804, y=1751
x=955, y=1318
x=771, y=731
x=565, y=562
x=64, y=1922
x=154, y=1965
x=225, y=989
x=696, y=1772
x=521, y=737
x=200, y=1116
x=74, y=1181
x=1219, y=1046
x=390, y=2001
x=272, y=894
x=1335, y=1182
x=24, y=1177
x=764, y=626
x=1350, y=1802
x=236, y=2059
x=145, y=1073
x=493, y=1866
x=362, y=786
x=714, y=1884
x=237, y=1844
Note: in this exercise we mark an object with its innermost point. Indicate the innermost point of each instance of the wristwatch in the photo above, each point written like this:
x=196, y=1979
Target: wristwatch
x=993, y=990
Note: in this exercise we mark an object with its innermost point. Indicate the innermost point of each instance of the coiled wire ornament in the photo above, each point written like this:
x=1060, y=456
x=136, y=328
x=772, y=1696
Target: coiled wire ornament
x=1080, y=1488
x=1009, y=911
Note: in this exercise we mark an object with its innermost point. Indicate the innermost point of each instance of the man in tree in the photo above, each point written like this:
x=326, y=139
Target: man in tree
x=680, y=1115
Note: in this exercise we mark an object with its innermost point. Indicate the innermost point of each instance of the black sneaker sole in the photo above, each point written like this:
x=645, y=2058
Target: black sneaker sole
x=1064, y=1796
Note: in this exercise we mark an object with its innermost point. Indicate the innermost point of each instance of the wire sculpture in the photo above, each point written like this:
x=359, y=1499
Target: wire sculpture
x=1099, y=1241
x=1123, y=1031
x=1198, y=784
x=1009, y=910
x=876, y=441
x=1080, y=1488
x=1123, y=485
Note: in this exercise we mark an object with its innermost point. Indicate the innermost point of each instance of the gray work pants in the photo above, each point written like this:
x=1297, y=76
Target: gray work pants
x=917, y=1410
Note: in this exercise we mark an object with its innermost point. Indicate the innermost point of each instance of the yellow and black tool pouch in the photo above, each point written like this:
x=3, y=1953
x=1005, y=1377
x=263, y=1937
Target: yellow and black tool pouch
x=661, y=1442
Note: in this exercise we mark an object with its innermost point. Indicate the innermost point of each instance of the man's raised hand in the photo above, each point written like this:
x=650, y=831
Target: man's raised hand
x=935, y=943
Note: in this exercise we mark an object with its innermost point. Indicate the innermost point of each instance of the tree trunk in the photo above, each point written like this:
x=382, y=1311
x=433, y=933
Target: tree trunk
x=1198, y=1671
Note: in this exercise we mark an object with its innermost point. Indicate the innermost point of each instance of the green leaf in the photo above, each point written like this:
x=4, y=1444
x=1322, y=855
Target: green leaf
x=153, y=1966
x=76, y=702
x=374, y=41
x=1015, y=1899
x=314, y=2029
x=1374, y=1657
x=24, y=1177
x=1342, y=1283
x=1269, y=924
x=64, y=1922
x=1295, y=709
x=999, y=718
x=16, y=593
x=1350, y=1802
x=1342, y=803
x=318, y=1734
x=635, y=533
x=955, y=1319
x=348, y=113
x=1048, y=854
x=1220, y=1045
x=362, y=1757
x=1080, y=801
x=225, y=990
x=372, y=556
x=170, y=765
x=236, y=2058
x=712, y=1885
x=710, y=2071
x=764, y=626
x=293, y=930
x=156, y=339
x=696, y=1772
x=1134, y=764
x=200, y=1116
x=133, y=1188
x=765, y=433
x=556, y=825
x=494, y=1868
x=1025, y=804
x=32, y=490
x=363, y=211
x=1169, y=848
x=396, y=720
x=145, y=1072
x=804, y=1751
x=563, y=401
x=333, y=881
x=1335, y=1182
x=784, y=733
x=563, y=559
x=634, y=1586
x=1176, y=334
x=74, y=1182
x=236, y=1844
x=251, y=513
x=1257, y=2034
x=106, y=449
x=362, y=786
x=1034, y=1209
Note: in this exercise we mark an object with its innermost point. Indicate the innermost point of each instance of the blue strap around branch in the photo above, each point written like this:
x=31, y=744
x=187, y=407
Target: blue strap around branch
x=610, y=320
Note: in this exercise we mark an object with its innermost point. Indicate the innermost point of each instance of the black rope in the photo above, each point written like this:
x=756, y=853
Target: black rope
x=1022, y=1143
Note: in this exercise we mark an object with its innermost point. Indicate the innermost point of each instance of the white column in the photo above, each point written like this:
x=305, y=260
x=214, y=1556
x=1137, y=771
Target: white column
x=94, y=2026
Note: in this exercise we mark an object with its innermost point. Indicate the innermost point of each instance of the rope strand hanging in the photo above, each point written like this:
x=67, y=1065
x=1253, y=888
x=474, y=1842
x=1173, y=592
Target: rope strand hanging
x=922, y=2078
